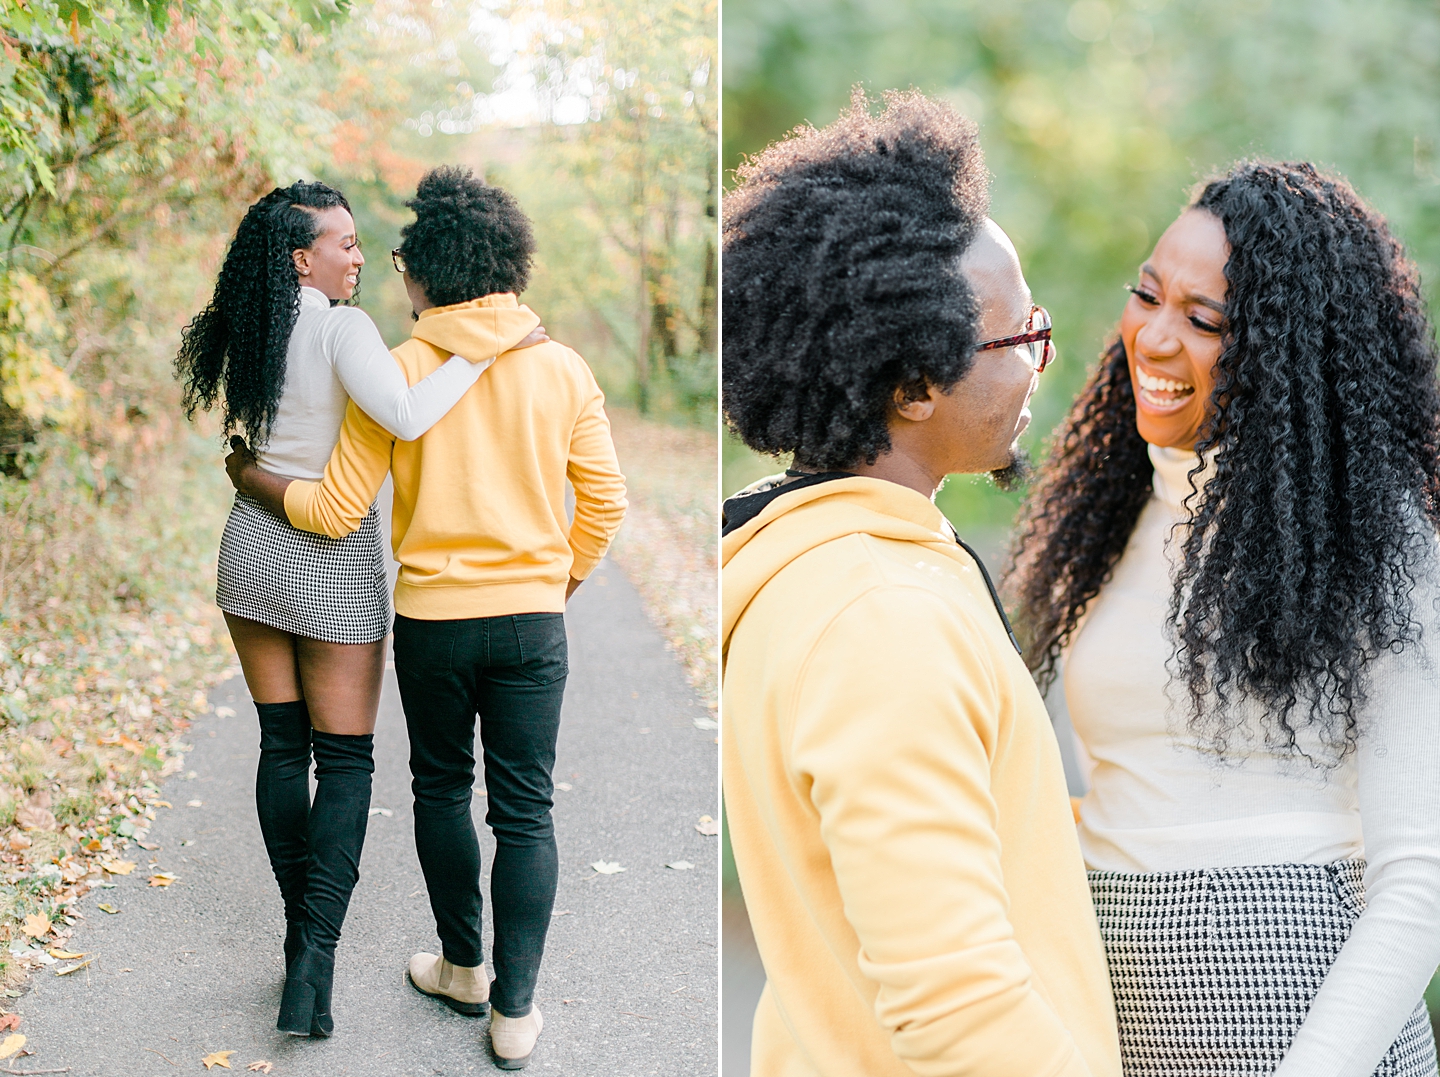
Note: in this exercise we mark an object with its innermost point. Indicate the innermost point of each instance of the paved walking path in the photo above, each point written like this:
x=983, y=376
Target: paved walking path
x=629, y=982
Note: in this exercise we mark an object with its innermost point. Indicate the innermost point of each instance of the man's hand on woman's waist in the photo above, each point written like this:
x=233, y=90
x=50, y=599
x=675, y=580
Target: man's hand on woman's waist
x=254, y=482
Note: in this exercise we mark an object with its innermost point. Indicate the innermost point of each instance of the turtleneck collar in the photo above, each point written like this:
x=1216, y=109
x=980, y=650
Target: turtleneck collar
x=313, y=297
x=1172, y=474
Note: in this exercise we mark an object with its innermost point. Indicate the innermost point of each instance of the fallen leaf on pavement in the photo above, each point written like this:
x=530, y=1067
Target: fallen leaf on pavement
x=261, y=1067
x=106, y=907
x=224, y=712
x=707, y=826
x=382, y=811
x=218, y=1058
x=11, y=1045
x=93, y=845
x=564, y=786
x=194, y=804
x=680, y=865
x=118, y=867
x=161, y=804
x=9, y=1022
x=161, y=878
x=20, y=842
x=605, y=867
x=68, y=969
x=65, y=955
x=148, y=846
x=706, y=723
x=36, y=925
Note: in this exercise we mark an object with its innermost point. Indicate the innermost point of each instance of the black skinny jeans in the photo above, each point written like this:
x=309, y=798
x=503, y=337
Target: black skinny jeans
x=511, y=670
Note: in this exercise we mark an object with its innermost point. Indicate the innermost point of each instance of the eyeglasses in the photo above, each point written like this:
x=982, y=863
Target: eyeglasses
x=398, y=259
x=1035, y=340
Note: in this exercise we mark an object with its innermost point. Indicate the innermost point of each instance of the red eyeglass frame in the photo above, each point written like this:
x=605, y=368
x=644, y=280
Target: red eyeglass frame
x=1047, y=356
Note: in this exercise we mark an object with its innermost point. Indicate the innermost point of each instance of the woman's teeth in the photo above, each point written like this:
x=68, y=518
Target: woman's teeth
x=1162, y=391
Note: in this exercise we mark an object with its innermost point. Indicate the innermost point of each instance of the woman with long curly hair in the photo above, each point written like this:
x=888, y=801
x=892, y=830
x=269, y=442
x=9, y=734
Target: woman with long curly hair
x=1233, y=547
x=282, y=357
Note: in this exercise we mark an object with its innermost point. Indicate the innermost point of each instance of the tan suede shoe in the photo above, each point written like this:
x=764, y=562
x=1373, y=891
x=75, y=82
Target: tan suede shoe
x=464, y=990
x=513, y=1038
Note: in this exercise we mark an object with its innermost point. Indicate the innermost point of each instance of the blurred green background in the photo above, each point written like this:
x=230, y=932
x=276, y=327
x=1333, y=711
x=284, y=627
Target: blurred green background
x=1097, y=118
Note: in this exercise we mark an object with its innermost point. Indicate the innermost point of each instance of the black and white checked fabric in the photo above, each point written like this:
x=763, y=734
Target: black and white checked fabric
x=312, y=585
x=1214, y=970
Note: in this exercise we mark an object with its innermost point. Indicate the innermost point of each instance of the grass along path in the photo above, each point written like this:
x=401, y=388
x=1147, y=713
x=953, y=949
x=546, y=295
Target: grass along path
x=669, y=544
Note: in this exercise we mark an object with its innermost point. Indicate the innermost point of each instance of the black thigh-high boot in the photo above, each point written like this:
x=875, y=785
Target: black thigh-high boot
x=282, y=800
x=343, y=766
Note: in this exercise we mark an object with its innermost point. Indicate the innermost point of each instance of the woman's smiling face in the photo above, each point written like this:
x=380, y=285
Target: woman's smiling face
x=1172, y=329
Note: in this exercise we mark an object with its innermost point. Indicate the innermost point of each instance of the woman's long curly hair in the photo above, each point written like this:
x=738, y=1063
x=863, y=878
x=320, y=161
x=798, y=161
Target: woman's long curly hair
x=234, y=350
x=1301, y=556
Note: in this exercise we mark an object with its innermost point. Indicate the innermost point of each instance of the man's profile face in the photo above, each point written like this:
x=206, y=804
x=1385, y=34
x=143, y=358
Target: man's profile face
x=979, y=421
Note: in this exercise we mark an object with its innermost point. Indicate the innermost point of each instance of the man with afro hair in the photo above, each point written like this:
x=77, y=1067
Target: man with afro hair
x=488, y=559
x=894, y=791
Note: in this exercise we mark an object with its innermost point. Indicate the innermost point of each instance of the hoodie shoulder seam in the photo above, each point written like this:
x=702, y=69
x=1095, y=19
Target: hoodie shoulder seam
x=882, y=584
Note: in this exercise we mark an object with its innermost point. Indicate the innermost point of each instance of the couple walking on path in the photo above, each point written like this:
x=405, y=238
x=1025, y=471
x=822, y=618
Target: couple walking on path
x=480, y=458
x=1233, y=549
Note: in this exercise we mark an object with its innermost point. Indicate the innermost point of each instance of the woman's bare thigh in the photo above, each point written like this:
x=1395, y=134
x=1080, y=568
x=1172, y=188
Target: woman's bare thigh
x=268, y=659
x=341, y=683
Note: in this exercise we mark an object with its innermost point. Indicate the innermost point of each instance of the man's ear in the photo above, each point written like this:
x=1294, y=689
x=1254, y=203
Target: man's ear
x=916, y=410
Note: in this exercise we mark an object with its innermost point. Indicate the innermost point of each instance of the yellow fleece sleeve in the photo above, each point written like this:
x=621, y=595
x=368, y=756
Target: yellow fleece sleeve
x=336, y=505
x=594, y=472
x=895, y=724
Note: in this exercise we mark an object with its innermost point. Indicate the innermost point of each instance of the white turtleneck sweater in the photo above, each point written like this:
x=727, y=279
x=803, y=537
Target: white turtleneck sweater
x=336, y=355
x=1159, y=800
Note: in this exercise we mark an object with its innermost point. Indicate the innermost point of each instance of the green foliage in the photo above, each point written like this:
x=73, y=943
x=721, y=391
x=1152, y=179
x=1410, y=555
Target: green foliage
x=622, y=183
x=1098, y=116
x=120, y=126
x=77, y=809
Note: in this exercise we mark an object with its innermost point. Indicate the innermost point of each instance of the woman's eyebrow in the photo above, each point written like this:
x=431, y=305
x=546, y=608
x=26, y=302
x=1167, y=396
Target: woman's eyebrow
x=1203, y=300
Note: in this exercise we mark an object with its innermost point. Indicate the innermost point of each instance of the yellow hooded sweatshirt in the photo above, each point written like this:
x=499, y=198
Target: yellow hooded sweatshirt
x=897, y=806
x=479, y=524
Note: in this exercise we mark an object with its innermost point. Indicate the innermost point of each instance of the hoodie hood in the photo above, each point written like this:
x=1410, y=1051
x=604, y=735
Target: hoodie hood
x=480, y=329
x=793, y=522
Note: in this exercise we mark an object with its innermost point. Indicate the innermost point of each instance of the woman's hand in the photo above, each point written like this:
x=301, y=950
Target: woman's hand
x=535, y=336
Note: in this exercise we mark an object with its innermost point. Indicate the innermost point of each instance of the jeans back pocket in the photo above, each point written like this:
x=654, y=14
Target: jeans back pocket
x=544, y=648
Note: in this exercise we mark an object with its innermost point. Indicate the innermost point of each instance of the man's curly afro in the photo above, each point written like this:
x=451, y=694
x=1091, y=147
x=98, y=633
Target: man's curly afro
x=468, y=239
x=841, y=277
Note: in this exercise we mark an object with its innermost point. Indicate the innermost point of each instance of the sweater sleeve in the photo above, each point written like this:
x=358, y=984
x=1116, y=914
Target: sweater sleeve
x=1394, y=948
x=374, y=380
x=895, y=745
x=336, y=505
x=594, y=472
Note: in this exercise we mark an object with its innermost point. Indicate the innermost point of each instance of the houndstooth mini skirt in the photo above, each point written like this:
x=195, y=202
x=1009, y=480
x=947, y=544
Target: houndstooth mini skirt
x=1214, y=969
x=311, y=585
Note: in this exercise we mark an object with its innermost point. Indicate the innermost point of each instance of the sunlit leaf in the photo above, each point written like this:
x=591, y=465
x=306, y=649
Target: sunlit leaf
x=218, y=1058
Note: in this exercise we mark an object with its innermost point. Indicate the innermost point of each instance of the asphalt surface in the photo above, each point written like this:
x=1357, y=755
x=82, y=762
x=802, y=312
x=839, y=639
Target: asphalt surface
x=629, y=982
